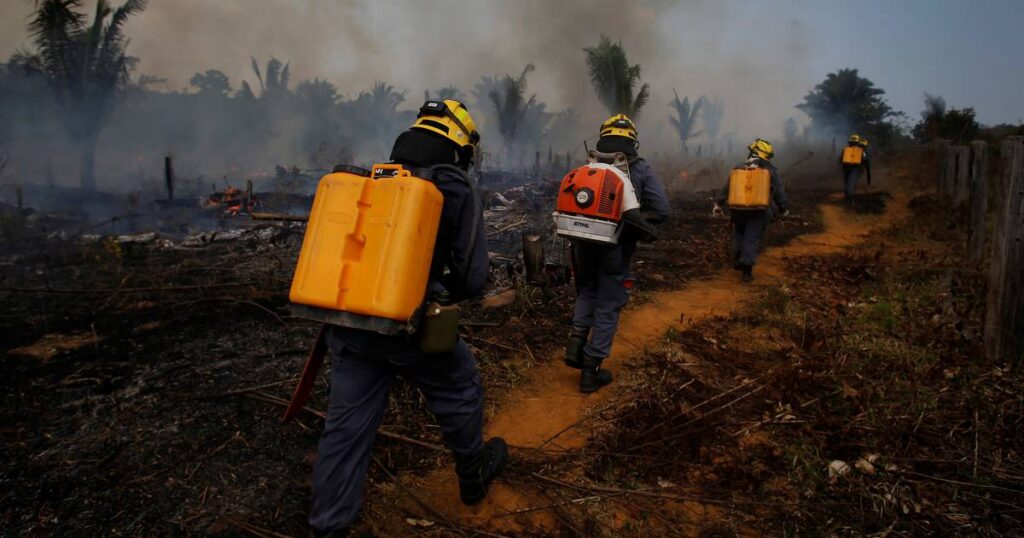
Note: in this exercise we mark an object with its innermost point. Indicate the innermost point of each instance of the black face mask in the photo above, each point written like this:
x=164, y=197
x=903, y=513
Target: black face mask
x=617, y=144
x=423, y=149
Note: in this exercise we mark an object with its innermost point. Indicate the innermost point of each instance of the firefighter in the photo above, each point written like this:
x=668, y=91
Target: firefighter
x=364, y=364
x=854, y=163
x=749, y=224
x=603, y=271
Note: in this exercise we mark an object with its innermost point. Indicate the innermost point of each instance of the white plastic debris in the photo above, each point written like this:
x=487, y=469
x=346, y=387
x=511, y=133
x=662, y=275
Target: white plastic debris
x=838, y=469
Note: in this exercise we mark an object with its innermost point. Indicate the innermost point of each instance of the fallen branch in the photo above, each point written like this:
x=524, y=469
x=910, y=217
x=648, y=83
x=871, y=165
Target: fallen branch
x=279, y=216
x=263, y=396
x=648, y=493
x=507, y=227
x=434, y=513
x=124, y=290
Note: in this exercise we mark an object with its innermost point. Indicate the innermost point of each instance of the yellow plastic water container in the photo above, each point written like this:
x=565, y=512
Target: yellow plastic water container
x=853, y=155
x=750, y=188
x=366, y=255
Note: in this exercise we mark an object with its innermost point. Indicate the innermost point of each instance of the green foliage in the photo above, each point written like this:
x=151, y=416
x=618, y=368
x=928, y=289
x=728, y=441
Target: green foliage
x=614, y=79
x=847, y=103
x=937, y=121
x=213, y=82
x=275, y=83
x=685, y=120
x=515, y=112
x=447, y=92
x=84, y=64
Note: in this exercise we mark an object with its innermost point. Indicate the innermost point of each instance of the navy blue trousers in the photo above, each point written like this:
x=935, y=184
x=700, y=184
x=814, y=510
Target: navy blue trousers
x=851, y=175
x=601, y=272
x=362, y=369
x=748, y=227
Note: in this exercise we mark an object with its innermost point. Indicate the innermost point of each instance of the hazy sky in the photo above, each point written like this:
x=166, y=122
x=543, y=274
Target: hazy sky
x=761, y=56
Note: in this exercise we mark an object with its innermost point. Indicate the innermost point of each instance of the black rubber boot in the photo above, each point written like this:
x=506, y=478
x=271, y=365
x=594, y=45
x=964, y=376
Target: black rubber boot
x=574, y=349
x=748, y=273
x=476, y=472
x=592, y=376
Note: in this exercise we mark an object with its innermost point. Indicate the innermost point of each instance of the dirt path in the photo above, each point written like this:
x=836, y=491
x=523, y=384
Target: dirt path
x=548, y=411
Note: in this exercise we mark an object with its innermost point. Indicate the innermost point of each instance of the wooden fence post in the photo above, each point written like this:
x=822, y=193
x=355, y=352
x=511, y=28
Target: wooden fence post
x=169, y=177
x=962, y=177
x=949, y=172
x=1004, y=317
x=979, y=199
x=941, y=151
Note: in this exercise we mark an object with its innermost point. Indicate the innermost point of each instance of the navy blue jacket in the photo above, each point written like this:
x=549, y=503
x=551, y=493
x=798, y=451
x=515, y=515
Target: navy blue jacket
x=458, y=266
x=649, y=191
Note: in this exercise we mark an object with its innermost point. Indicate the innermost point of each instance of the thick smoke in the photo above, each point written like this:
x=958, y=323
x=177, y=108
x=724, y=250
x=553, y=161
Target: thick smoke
x=752, y=58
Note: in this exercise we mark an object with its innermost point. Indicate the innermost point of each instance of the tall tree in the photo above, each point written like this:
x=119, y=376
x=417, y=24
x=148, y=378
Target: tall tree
x=685, y=119
x=614, y=79
x=846, y=102
x=213, y=82
x=937, y=121
x=274, y=84
x=447, y=92
x=86, y=66
x=512, y=105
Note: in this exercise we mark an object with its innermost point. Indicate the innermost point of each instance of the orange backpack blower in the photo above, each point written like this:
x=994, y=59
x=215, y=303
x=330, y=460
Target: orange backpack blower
x=594, y=200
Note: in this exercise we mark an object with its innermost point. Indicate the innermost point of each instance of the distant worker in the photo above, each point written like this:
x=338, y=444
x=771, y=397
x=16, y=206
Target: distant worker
x=854, y=160
x=603, y=270
x=753, y=194
x=440, y=146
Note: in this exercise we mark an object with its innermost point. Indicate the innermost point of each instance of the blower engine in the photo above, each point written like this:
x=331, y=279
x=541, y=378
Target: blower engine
x=596, y=200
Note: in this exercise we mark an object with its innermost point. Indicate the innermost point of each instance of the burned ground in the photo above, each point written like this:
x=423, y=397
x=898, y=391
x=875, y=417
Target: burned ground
x=142, y=377
x=852, y=399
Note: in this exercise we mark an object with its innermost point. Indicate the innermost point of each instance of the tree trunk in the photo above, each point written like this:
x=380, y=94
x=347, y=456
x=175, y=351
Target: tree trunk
x=87, y=164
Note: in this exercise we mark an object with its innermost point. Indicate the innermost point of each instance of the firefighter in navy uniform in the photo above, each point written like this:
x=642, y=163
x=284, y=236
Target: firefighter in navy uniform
x=364, y=364
x=602, y=271
x=749, y=224
x=854, y=164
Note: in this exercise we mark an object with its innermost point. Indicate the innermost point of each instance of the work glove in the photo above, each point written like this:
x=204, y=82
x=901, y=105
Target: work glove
x=717, y=211
x=640, y=228
x=785, y=212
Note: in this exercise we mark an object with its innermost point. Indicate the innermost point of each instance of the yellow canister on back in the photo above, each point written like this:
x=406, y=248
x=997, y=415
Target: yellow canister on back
x=853, y=155
x=368, y=246
x=750, y=188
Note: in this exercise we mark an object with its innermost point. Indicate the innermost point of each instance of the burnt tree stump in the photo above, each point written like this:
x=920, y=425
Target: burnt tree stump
x=533, y=258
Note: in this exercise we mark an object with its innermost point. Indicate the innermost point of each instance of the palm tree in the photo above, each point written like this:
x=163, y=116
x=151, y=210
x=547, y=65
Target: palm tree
x=512, y=106
x=275, y=84
x=685, y=119
x=85, y=65
x=614, y=79
x=448, y=92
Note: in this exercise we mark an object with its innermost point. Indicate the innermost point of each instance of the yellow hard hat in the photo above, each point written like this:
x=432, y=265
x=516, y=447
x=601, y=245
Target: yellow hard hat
x=855, y=139
x=619, y=125
x=450, y=119
x=762, y=148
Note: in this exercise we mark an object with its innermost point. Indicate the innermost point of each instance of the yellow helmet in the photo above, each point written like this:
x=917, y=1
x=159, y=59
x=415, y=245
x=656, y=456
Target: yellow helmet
x=450, y=119
x=856, y=139
x=619, y=125
x=762, y=148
